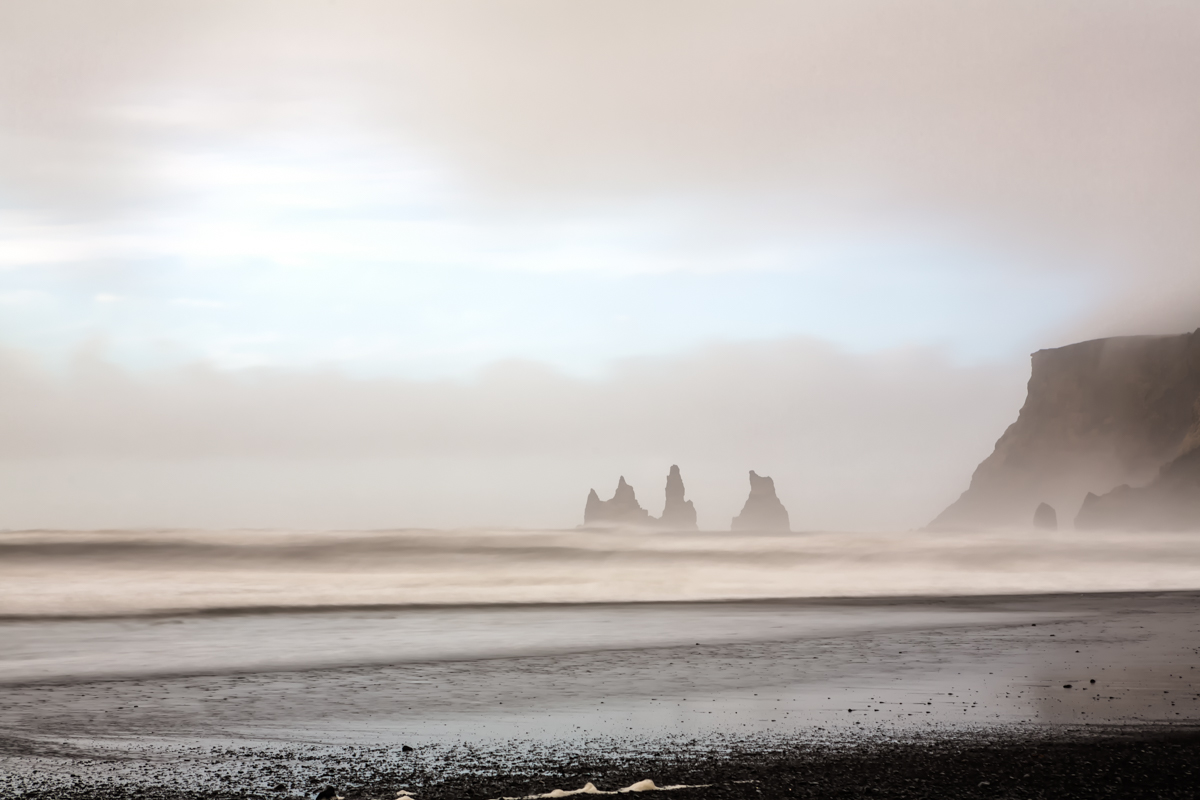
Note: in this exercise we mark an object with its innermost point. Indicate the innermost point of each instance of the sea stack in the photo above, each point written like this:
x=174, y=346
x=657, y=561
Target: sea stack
x=763, y=511
x=1101, y=419
x=678, y=514
x=622, y=509
x=1045, y=518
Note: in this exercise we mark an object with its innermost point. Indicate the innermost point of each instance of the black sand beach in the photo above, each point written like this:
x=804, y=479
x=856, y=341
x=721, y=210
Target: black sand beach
x=1062, y=695
x=1132, y=761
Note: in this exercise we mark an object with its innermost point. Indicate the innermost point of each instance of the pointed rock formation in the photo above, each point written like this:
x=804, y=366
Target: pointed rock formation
x=594, y=509
x=622, y=509
x=1044, y=518
x=678, y=514
x=763, y=511
x=1098, y=414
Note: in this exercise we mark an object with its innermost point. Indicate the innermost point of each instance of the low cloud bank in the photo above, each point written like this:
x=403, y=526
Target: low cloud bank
x=852, y=440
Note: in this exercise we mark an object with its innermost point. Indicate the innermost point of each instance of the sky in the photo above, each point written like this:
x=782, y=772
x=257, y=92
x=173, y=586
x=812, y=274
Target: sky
x=368, y=264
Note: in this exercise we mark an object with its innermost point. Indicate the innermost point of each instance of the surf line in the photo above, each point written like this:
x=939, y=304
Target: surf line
x=589, y=788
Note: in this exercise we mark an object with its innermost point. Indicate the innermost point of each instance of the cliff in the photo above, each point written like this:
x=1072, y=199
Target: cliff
x=763, y=511
x=1170, y=502
x=1098, y=415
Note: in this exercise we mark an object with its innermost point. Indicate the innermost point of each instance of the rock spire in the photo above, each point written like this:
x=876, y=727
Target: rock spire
x=678, y=513
x=622, y=509
x=763, y=511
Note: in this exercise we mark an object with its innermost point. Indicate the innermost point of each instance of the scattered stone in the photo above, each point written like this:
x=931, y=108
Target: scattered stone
x=328, y=793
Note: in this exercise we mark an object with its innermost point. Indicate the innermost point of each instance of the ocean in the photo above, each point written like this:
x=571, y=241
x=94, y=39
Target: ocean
x=131, y=647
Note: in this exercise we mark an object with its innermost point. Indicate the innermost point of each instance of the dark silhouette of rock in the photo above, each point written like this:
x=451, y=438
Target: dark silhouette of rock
x=1098, y=414
x=622, y=509
x=763, y=511
x=1045, y=518
x=678, y=513
x=328, y=793
x=1170, y=502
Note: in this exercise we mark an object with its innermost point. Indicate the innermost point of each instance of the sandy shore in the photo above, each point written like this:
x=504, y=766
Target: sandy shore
x=778, y=691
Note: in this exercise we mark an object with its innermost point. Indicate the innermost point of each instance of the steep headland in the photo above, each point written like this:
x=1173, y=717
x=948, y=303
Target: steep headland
x=1170, y=502
x=1120, y=412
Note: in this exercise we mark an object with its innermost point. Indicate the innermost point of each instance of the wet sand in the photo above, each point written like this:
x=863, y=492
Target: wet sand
x=569, y=693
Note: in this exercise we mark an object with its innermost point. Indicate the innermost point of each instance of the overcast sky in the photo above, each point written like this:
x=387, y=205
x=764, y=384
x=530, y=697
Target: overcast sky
x=362, y=241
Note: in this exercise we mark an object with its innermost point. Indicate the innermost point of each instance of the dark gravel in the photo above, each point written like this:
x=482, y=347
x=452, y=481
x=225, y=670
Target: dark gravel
x=1150, y=762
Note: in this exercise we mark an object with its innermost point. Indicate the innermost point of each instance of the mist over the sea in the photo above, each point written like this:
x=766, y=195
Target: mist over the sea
x=119, y=573
x=853, y=440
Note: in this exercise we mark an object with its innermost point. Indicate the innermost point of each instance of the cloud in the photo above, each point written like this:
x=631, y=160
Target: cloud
x=250, y=176
x=852, y=440
x=1017, y=113
x=1037, y=137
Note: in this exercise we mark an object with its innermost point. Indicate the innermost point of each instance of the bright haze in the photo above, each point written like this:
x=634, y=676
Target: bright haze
x=344, y=264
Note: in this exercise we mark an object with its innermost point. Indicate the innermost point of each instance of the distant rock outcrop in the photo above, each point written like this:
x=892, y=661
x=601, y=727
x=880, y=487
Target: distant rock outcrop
x=678, y=513
x=1098, y=414
x=1170, y=502
x=622, y=509
x=1045, y=518
x=763, y=511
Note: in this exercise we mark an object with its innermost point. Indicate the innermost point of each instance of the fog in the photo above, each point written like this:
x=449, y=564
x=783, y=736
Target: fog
x=1063, y=132
x=220, y=224
x=879, y=440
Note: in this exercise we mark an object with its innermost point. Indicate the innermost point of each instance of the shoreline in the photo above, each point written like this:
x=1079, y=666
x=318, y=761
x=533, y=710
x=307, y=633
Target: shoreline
x=858, y=600
x=1160, y=761
x=810, y=699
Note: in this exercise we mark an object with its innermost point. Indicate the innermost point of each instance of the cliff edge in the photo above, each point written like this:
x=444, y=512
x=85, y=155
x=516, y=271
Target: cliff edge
x=1099, y=414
